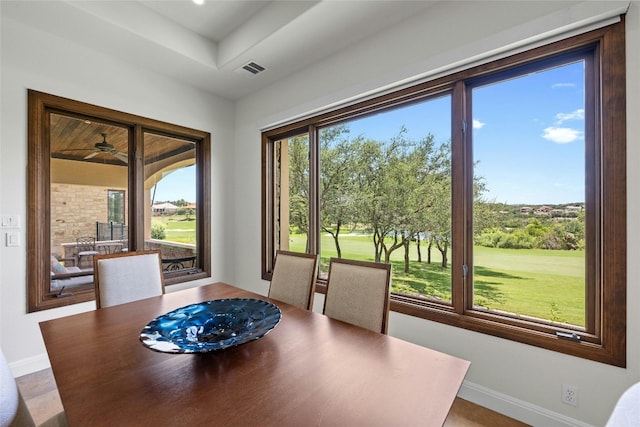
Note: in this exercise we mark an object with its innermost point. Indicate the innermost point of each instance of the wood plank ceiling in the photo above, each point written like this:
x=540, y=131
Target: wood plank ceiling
x=78, y=139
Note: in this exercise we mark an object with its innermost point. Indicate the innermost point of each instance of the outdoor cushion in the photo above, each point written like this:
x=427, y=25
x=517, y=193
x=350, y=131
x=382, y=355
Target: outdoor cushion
x=57, y=267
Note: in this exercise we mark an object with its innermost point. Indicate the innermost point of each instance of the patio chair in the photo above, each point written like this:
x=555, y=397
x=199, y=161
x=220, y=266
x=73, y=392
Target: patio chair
x=358, y=293
x=124, y=241
x=13, y=409
x=294, y=278
x=127, y=276
x=85, y=247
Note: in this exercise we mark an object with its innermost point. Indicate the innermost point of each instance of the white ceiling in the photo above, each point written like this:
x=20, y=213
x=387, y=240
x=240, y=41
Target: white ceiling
x=204, y=45
x=214, y=20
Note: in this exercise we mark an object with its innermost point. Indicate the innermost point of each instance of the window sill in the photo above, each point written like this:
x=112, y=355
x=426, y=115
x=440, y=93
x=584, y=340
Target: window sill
x=522, y=331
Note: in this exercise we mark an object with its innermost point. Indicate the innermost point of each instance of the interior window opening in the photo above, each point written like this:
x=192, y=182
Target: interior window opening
x=102, y=181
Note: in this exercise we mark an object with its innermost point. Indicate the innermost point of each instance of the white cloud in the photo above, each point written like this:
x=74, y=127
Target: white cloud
x=477, y=124
x=560, y=85
x=561, y=135
x=574, y=115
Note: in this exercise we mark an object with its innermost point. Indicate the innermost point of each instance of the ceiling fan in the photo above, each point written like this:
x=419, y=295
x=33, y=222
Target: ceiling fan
x=104, y=147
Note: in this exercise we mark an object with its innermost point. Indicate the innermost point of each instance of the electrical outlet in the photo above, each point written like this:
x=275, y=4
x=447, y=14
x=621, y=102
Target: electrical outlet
x=570, y=394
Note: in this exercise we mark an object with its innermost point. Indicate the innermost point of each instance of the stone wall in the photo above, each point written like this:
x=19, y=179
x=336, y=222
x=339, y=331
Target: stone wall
x=74, y=212
x=171, y=249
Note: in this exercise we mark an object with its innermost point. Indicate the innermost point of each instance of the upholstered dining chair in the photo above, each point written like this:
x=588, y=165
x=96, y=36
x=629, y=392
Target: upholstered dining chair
x=294, y=278
x=358, y=293
x=13, y=409
x=127, y=276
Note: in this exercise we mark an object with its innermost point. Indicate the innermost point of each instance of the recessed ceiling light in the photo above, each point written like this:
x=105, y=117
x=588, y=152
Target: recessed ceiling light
x=198, y=2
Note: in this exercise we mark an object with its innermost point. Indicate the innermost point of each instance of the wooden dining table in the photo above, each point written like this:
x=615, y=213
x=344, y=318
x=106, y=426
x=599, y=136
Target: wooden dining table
x=310, y=370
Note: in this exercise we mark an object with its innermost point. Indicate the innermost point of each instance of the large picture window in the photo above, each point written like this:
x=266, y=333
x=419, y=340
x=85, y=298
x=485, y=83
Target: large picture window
x=497, y=194
x=103, y=181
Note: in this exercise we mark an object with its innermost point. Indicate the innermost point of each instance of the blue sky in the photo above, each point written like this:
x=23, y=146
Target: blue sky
x=179, y=184
x=528, y=134
x=529, y=137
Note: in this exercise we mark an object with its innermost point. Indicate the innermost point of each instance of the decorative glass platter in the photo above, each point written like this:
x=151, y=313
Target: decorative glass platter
x=210, y=325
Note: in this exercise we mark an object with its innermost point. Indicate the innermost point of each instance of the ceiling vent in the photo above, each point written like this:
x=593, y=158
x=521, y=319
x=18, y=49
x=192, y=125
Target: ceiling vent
x=251, y=69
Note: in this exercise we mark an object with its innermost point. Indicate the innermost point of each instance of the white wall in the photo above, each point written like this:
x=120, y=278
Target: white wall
x=31, y=59
x=517, y=379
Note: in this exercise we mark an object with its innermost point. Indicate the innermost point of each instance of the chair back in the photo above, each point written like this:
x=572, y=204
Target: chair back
x=358, y=293
x=127, y=276
x=294, y=278
x=85, y=247
x=86, y=243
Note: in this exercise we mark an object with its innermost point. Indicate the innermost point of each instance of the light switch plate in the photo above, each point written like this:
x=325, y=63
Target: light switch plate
x=13, y=238
x=10, y=221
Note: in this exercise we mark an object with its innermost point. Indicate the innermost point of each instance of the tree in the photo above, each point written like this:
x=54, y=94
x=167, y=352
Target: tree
x=428, y=171
x=338, y=188
x=399, y=192
x=375, y=205
x=435, y=216
x=438, y=221
x=298, y=154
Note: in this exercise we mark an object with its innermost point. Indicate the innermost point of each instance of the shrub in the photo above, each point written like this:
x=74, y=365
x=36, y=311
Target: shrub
x=158, y=230
x=517, y=239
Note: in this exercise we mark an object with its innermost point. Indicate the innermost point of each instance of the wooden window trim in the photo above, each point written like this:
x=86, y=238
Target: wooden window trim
x=40, y=105
x=604, y=337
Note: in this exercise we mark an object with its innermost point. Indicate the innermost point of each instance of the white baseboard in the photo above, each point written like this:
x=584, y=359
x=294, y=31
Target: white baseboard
x=515, y=408
x=30, y=365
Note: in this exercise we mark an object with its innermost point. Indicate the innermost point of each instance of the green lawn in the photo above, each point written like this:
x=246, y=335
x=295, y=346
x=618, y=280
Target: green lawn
x=539, y=283
x=178, y=230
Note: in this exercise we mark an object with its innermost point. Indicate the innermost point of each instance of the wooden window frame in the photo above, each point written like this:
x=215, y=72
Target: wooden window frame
x=40, y=105
x=604, y=337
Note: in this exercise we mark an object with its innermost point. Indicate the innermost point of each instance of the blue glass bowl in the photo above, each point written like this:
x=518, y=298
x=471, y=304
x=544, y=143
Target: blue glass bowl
x=210, y=325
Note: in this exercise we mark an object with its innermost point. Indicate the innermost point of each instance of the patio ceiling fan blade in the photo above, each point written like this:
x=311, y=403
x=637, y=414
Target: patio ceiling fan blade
x=120, y=156
x=102, y=147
